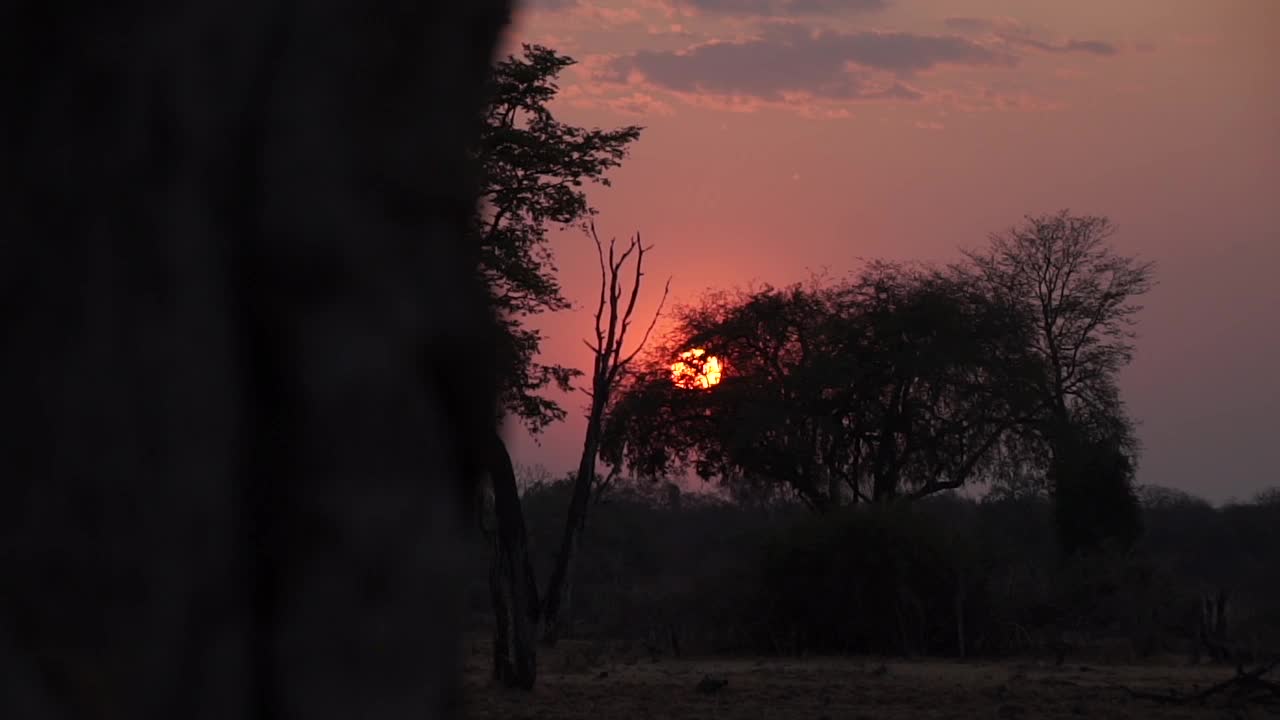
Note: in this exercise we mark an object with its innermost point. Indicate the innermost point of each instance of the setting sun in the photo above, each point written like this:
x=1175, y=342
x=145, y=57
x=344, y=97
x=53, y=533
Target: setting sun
x=696, y=370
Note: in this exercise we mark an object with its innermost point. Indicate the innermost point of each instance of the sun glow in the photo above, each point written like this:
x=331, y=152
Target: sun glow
x=696, y=370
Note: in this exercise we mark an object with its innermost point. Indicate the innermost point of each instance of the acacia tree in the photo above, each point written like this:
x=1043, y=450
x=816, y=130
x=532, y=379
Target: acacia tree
x=533, y=170
x=1080, y=296
x=933, y=372
x=613, y=319
x=658, y=425
x=896, y=383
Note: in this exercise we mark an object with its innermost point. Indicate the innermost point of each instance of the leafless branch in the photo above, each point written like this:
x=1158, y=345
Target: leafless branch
x=666, y=290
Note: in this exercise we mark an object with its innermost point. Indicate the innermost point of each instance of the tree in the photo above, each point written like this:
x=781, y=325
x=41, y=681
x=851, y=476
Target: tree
x=658, y=426
x=1095, y=504
x=612, y=321
x=533, y=172
x=1080, y=296
x=513, y=586
x=237, y=437
x=533, y=169
x=895, y=383
x=936, y=367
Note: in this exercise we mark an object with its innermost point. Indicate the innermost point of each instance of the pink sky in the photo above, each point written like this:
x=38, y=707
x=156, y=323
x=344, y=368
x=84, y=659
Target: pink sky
x=784, y=136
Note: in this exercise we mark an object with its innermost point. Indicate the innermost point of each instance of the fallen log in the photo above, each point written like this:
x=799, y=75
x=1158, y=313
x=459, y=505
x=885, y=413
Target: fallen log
x=1245, y=684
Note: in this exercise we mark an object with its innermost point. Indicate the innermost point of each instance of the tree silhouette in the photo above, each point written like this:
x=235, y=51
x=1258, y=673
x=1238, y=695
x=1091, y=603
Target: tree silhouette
x=615, y=312
x=533, y=173
x=1080, y=296
x=533, y=169
x=894, y=383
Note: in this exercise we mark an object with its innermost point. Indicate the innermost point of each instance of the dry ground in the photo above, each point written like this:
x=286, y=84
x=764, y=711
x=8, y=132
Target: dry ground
x=579, y=680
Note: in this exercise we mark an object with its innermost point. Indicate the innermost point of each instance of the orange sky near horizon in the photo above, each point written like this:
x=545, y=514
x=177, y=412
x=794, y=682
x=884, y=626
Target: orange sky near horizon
x=789, y=136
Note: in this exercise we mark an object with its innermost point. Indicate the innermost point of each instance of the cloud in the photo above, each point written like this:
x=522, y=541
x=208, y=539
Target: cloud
x=611, y=17
x=548, y=5
x=977, y=25
x=790, y=62
x=1013, y=32
x=779, y=8
x=639, y=104
x=980, y=99
x=1092, y=47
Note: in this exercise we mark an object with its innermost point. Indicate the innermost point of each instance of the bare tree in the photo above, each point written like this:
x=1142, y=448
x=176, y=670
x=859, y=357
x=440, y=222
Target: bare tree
x=1080, y=295
x=613, y=320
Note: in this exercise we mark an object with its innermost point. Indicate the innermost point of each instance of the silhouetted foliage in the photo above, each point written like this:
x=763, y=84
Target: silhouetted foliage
x=875, y=579
x=944, y=576
x=1080, y=297
x=1095, y=505
x=898, y=382
x=534, y=170
x=903, y=382
x=615, y=311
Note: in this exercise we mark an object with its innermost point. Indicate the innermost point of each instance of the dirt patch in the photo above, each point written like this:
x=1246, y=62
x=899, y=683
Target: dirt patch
x=844, y=688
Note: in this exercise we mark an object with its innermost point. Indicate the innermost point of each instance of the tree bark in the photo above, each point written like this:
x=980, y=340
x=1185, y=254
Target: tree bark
x=609, y=363
x=511, y=580
x=555, y=608
x=834, y=490
x=247, y=366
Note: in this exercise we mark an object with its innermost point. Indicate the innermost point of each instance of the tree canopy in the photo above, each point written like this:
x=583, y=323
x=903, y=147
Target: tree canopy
x=534, y=174
x=902, y=381
x=895, y=382
x=1080, y=297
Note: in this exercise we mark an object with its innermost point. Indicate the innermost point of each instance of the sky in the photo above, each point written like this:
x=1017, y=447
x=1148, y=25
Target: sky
x=784, y=137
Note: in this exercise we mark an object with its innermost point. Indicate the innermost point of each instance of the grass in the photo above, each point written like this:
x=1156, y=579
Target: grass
x=579, y=680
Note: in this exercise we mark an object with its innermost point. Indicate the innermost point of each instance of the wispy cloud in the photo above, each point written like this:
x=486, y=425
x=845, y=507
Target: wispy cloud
x=794, y=67
x=778, y=8
x=827, y=64
x=1015, y=33
x=804, y=56
x=548, y=5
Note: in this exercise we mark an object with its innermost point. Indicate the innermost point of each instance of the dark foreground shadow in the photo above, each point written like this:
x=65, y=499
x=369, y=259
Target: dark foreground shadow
x=244, y=359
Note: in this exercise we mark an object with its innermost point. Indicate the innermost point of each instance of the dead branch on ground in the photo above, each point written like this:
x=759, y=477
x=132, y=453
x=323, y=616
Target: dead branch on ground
x=1245, y=686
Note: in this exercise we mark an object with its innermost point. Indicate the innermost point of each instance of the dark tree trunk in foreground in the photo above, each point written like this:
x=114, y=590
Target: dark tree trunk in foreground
x=230, y=243
x=511, y=579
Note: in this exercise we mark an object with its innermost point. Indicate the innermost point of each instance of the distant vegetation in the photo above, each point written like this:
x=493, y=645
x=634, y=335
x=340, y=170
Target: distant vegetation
x=902, y=381
x=917, y=460
x=666, y=573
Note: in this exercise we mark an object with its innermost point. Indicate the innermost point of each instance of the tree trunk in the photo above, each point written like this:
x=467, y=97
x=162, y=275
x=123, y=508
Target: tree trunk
x=247, y=360
x=884, y=485
x=560, y=587
x=1220, y=616
x=834, y=490
x=511, y=580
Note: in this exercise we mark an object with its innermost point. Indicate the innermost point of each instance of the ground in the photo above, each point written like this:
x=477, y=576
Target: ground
x=579, y=682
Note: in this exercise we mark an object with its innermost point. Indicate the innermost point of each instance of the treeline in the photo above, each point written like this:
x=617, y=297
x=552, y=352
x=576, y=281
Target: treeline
x=672, y=574
x=846, y=414
x=900, y=381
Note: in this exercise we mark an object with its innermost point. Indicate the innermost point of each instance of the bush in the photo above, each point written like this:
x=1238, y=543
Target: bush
x=941, y=576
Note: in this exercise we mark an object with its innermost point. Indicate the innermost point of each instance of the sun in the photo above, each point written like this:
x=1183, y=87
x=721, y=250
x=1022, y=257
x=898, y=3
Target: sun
x=695, y=370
